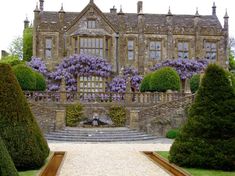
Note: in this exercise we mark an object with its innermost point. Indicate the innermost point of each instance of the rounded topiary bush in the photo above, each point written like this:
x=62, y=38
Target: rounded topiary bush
x=117, y=115
x=25, y=77
x=145, y=84
x=207, y=139
x=7, y=167
x=194, y=83
x=40, y=82
x=165, y=79
x=172, y=134
x=19, y=129
x=74, y=115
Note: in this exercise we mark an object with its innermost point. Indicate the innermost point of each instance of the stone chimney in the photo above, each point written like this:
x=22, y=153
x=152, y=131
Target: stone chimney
x=26, y=23
x=113, y=10
x=41, y=4
x=226, y=17
x=139, y=6
x=214, y=9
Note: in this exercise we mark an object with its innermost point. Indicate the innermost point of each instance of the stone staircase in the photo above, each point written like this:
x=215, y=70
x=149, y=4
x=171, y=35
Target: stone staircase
x=99, y=135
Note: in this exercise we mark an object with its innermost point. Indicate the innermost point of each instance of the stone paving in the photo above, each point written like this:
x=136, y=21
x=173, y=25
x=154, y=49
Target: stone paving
x=110, y=159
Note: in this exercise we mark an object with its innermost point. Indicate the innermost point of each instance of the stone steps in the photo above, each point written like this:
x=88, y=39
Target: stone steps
x=99, y=135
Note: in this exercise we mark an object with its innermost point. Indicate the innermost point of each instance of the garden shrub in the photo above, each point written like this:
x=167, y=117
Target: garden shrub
x=207, y=139
x=118, y=115
x=25, y=77
x=165, y=79
x=7, y=167
x=172, y=134
x=19, y=129
x=11, y=60
x=74, y=114
x=40, y=82
x=145, y=84
x=194, y=83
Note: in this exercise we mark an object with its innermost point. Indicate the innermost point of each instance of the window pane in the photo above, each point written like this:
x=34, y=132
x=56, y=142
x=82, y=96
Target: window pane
x=180, y=46
x=213, y=56
x=208, y=47
x=130, y=55
x=158, y=45
x=186, y=55
x=81, y=42
x=152, y=54
x=48, y=43
x=101, y=43
x=158, y=55
x=180, y=55
x=185, y=46
x=152, y=45
x=48, y=53
x=93, y=43
x=130, y=45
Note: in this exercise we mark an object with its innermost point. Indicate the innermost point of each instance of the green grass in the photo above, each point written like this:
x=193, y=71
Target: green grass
x=34, y=172
x=199, y=172
x=29, y=173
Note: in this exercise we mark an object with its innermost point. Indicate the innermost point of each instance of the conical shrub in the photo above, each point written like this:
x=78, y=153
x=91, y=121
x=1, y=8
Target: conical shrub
x=7, y=167
x=207, y=140
x=18, y=127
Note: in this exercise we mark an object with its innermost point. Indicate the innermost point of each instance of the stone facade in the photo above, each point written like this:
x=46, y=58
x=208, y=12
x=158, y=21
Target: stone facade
x=128, y=39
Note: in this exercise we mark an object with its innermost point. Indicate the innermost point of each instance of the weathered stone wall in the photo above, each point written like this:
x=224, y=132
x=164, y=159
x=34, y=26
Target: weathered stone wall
x=159, y=119
x=45, y=116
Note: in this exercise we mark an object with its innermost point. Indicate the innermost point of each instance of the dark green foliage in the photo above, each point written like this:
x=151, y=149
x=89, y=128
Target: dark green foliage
x=172, y=134
x=145, y=83
x=7, y=167
x=18, y=127
x=40, y=82
x=25, y=77
x=74, y=115
x=207, y=140
x=12, y=60
x=194, y=83
x=118, y=115
x=27, y=44
x=165, y=79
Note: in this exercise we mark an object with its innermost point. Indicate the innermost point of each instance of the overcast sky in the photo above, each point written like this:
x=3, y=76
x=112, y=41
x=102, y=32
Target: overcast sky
x=13, y=12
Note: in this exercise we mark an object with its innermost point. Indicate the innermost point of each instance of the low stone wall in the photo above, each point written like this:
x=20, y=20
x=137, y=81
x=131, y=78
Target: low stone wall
x=45, y=116
x=160, y=118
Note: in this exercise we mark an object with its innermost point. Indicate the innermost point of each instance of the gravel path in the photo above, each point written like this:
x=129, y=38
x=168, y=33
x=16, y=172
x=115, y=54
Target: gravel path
x=109, y=159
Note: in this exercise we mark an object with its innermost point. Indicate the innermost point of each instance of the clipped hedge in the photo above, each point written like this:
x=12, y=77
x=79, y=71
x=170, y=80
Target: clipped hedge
x=40, y=82
x=19, y=129
x=165, y=79
x=145, y=84
x=207, y=139
x=194, y=83
x=117, y=115
x=25, y=77
x=7, y=167
x=172, y=134
x=74, y=115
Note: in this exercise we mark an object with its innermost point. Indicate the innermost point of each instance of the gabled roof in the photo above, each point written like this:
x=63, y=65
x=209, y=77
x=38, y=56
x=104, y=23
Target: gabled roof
x=152, y=21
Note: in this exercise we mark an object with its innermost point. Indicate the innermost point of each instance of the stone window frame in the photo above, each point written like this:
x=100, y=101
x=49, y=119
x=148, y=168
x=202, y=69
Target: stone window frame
x=48, y=48
x=161, y=47
x=91, y=23
x=211, y=41
x=184, y=51
x=130, y=49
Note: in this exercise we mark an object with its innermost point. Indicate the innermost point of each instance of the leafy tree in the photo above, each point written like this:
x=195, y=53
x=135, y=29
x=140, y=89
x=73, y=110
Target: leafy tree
x=27, y=44
x=11, y=59
x=207, y=139
x=19, y=129
x=7, y=167
x=16, y=47
x=231, y=61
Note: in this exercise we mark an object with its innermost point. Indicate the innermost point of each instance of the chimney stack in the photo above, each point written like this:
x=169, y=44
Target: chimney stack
x=140, y=6
x=113, y=10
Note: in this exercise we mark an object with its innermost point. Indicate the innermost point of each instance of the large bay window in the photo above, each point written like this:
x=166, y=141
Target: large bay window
x=93, y=46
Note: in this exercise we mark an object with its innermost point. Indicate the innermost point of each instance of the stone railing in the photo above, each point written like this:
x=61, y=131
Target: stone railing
x=103, y=97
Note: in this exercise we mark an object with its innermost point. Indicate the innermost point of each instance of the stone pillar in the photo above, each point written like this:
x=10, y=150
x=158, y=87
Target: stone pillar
x=128, y=96
x=63, y=97
x=187, y=86
x=134, y=119
x=60, y=119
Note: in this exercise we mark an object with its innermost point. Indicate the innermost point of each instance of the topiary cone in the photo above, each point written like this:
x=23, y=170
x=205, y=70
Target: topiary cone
x=18, y=127
x=7, y=167
x=207, y=140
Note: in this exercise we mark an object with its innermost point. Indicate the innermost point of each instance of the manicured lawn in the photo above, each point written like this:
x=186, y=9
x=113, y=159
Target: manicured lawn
x=200, y=172
x=28, y=173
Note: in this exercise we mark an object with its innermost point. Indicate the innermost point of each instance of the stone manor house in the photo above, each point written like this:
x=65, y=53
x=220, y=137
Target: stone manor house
x=128, y=39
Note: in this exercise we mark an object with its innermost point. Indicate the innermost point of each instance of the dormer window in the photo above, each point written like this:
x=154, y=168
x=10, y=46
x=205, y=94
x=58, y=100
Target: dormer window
x=91, y=24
